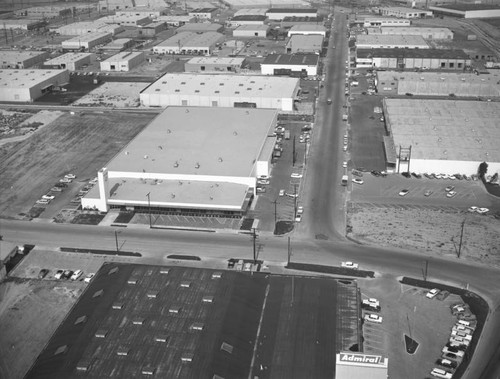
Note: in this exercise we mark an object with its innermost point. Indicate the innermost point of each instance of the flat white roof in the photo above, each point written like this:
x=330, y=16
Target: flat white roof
x=124, y=56
x=311, y=41
x=405, y=10
x=413, y=29
x=177, y=39
x=307, y=28
x=391, y=39
x=265, y=3
x=25, y=78
x=252, y=27
x=224, y=85
x=122, y=17
x=200, y=26
x=67, y=58
x=19, y=56
x=198, y=141
x=251, y=12
x=446, y=129
x=89, y=37
x=204, y=39
x=216, y=60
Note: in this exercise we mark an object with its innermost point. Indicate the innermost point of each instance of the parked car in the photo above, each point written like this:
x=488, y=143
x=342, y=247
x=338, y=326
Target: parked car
x=374, y=303
x=48, y=197
x=282, y=192
x=428, y=193
x=371, y=317
x=300, y=210
x=292, y=195
x=67, y=274
x=406, y=174
x=432, y=293
x=357, y=181
x=482, y=211
x=59, y=274
x=439, y=373
x=56, y=189
x=404, y=192
x=76, y=274
x=43, y=202
x=65, y=180
x=296, y=175
x=298, y=218
x=263, y=181
x=89, y=277
x=70, y=176
x=451, y=194
x=350, y=264
x=344, y=164
x=43, y=273
x=449, y=188
x=261, y=189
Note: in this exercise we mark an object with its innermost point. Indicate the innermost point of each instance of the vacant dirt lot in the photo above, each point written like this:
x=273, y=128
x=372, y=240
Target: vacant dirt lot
x=33, y=308
x=81, y=144
x=428, y=231
x=114, y=94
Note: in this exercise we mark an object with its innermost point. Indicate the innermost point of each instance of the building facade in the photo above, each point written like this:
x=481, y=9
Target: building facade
x=203, y=13
x=278, y=14
x=304, y=44
x=251, y=31
x=307, y=29
x=299, y=65
x=214, y=64
x=402, y=12
x=87, y=41
x=22, y=59
x=124, y=61
x=70, y=61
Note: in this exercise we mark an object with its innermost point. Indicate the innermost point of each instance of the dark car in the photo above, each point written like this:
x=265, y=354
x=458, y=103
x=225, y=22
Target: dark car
x=67, y=274
x=375, y=173
x=406, y=174
x=43, y=273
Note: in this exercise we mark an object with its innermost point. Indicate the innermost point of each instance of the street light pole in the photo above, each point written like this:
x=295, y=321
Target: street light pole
x=149, y=208
x=116, y=241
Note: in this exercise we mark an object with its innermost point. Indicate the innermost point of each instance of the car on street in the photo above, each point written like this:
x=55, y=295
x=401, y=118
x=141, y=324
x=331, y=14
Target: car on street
x=440, y=373
x=48, y=197
x=263, y=181
x=292, y=195
x=70, y=176
x=298, y=218
x=43, y=273
x=404, y=192
x=300, y=210
x=447, y=363
x=59, y=274
x=261, y=190
x=43, y=202
x=329, y=101
x=372, y=304
x=350, y=264
x=357, y=181
x=296, y=175
x=65, y=180
x=56, y=189
x=406, y=175
x=432, y=293
x=449, y=188
x=372, y=317
x=282, y=192
x=76, y=275
x=451, y=194
x=344, y=164
x=427, y=193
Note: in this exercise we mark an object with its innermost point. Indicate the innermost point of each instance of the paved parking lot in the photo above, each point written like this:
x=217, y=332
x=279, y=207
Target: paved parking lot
x=188, y=221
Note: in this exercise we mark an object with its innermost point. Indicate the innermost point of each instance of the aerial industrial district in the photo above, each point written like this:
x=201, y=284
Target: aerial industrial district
x=250, y=189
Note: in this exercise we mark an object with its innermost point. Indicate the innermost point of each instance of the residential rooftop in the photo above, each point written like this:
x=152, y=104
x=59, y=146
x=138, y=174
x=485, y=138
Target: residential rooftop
x=198, y=141
x=292, y=59
x=460, y=130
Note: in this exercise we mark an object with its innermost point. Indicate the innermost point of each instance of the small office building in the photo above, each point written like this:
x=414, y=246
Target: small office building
x=22, y=58
x=402, y=12
x=300, y=65
x=307, y=29
x=70, y=61
x=247, y=20
x=29, y=85
x=251, y=31
x=189, y=43
x=45, y=12
x=214, y=64
x=124, y=61
x=278, y=14
x=203, y=13
x=87, y=41
x=304, y=44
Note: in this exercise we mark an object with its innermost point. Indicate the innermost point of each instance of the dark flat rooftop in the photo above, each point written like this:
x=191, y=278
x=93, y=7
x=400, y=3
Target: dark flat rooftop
x=180, y=322
x=412, y=53
x=204, y=10
x=249, y=17
x=292, y=59
x=318, y=19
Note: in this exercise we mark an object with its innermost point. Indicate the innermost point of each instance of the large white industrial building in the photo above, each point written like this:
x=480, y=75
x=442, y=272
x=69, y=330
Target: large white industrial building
x=28, y=85
x=304, y=44
x=189, y=43
x=468, y=10
x=86, y=41
x=424, y=32
x=247, y=20
x=81, y=28
x=390, y=41
x=124, y=61
x=22, y=58
x=360, y=366
x=442, y=136
x=221, y=91
x=202, y=160
x=371, y=21
x=70, y=61
x=461, y=84
x=290, y=64
x=307, y=29
x=251, y=31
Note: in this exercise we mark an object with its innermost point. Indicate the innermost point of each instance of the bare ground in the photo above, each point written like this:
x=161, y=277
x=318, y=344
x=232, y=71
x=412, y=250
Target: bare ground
x=428, y=231
x=80, y=143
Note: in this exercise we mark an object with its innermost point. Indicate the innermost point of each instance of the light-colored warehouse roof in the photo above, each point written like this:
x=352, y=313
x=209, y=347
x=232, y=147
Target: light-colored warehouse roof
x=443, y=83
x=265, y=3
x=89, y=37
x=403, y=9
x=19, y=56
x=307, y=28
x=9, y=22
x=128, y=17
x=444, y=129
x=291, y=59
x=311, y=41
x=177, y=39
x=391, y=39
x=216, y=60
x=251, y=11
x=415, y=30
x=67, y=58
x=198, y=141
x=224, y=85
x=200, y=27
x=25, y=78
x=124, y=56
x=204, y=39
x=252, y=27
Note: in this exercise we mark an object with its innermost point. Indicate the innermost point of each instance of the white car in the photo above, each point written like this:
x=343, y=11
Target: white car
x=43, y=201
x=349, y=264
x=432, y=293
x=298, y=218
x=58, y=274
x=263, y=181
x=451, y=194
x=296, y=175
x=374, y=303
x=65, y=180
x=48, y=197
x=282, y=192
x=89, y=277
x=293, y=195
x=300, y=210
x=70, y=176
x=457, y=352
x=404, y=192
x=482, y=211
x=373, y=318
x=357, y=180
x=473, y=209
x=76, y=274
x=439, y=373
x=344, y=164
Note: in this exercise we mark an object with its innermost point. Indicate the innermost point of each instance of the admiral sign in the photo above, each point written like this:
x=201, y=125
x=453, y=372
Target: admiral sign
x=360, y=358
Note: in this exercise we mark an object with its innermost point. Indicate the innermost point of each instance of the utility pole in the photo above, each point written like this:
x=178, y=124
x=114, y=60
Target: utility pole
x=254, y=240
x=116, y=242
x=425, y=269
x=275, y=202
x=294, y=199
x=149, y=207
x=293, y=152
x=461, y=238
x=289, y=251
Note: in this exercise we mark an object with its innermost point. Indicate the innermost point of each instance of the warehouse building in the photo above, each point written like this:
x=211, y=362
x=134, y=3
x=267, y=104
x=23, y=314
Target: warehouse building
x=442, y=136
x=307, y=29
x=360, y=366
x=300, y=65
x=124, y=61
x=189, y=43
x=21, y=24
x=278, y=14
x=463, y=84
x=402, y=12
x=119, y=44
x=221, y=91
x=433, y=59
x=468, y=10
x=70, y=61
x=288, y=22
x=153, y=29
x=304, y=44
x=86, y=41
x=251, y=31
x=150, y=12
x=250, y=12
x=22, y=58
x=200, y=27
x=81, y=28
x=382, y=21
x=195, y=159
x=203, y=13
x=126, y=19
x=45, y=12
x=265, y=4
x=214, y=64
x=173, y=20
x=29, y=85
x=390, y=41
x=424, y=32
x=247, y=20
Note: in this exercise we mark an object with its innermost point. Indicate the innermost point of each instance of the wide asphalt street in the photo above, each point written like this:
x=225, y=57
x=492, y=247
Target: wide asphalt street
x=320, y=239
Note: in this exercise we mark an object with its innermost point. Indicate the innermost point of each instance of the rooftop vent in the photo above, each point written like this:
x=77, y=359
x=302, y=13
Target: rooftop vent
x=197, y=165
x=164, y=270
x=161, y=338
x=217, y=275
x=122, y=351
x=227, y=347
x=138, y=321
x=183, y=83
x=220, y=159
x=101, y=333
x=148, y=370
x=113, y=271
x=81, y=320
x=197, y=326
x=187, y=357
x=176, y=309
x=176, y=164
x=132, y=281
x=185, y=284
x=152, y=294
x=117, y=305
x=208, y=299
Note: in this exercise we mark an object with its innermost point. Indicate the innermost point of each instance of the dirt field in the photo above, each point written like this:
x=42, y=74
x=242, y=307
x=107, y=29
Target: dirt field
x=33, y=308
x=428, y=231
x=114, y=94
x=80, y=143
